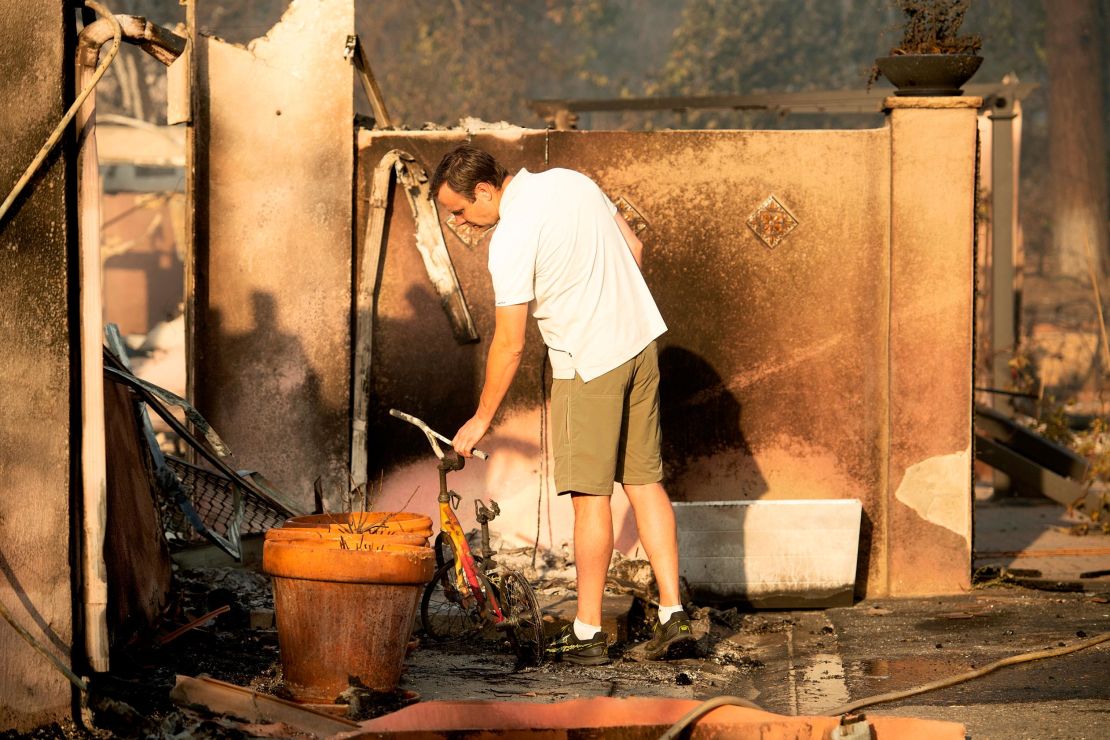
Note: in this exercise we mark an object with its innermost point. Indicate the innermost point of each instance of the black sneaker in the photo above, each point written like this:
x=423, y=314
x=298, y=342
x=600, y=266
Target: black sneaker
x=674, y=639
x=567, y=646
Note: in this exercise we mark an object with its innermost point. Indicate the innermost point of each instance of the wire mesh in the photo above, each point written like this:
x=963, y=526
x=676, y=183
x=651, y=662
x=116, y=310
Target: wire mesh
x=212, y=496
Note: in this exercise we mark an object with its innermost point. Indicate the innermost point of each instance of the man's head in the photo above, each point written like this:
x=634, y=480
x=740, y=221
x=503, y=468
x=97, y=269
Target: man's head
x=468, y=183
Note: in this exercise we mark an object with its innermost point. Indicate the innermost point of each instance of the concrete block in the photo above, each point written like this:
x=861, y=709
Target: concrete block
x=772, y=554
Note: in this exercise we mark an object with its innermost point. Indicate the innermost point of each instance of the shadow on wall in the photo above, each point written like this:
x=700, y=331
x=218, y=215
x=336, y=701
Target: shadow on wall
x=278, y=367
x=701, y=419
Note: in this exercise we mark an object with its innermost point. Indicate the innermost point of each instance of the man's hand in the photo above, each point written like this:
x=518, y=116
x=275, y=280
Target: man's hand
x=468, y=436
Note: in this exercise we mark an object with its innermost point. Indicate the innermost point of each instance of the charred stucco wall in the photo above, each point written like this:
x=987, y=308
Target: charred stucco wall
x=272, y=264
x=35, y=425
x=834, y=365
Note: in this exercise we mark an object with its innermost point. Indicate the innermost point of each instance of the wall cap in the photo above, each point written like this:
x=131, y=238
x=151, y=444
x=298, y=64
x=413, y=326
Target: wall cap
x=937, y=102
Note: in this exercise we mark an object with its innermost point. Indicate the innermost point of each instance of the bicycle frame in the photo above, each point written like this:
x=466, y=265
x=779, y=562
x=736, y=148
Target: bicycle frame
x=466, y=568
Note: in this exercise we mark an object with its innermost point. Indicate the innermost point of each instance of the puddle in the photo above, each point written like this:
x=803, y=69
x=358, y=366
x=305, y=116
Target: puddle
x=821, y=685
x=907, y=671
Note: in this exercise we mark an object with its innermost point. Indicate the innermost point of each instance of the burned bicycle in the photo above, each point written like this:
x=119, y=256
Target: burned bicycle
x=471, y=593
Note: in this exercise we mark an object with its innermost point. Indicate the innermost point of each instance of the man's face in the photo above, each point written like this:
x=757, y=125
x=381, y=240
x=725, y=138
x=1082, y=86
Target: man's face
x=482, y=211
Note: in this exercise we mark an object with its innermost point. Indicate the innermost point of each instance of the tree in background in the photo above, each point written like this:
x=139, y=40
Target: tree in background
x=439, y=61
x=1077, y=144
x=749, y=46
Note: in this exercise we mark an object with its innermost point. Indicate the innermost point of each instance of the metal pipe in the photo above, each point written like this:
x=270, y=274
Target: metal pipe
x=56, y=134
x=161, y=43
x=1002, y=230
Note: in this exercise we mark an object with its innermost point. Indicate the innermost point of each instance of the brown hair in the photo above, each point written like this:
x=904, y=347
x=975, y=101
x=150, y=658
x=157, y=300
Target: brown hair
x=463, y=168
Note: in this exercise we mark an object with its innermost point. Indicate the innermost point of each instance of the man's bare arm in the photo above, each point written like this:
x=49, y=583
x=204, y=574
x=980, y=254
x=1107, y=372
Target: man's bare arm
x=502, y=362
x=634, y=244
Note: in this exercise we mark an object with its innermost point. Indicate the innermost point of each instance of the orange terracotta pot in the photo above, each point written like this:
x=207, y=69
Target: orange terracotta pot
x=344, y=615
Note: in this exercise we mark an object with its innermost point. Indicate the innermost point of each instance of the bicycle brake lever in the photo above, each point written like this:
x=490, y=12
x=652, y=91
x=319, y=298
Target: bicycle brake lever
x=455, y=500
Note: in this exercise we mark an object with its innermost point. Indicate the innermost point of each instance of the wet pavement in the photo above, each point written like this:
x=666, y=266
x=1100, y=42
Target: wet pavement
x=811, y=662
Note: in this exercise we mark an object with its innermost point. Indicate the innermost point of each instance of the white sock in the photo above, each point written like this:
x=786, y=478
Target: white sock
x=665, y=612
x=585, y=631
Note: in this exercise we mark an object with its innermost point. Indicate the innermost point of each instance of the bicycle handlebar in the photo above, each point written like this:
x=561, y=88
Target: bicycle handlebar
x=433, y=435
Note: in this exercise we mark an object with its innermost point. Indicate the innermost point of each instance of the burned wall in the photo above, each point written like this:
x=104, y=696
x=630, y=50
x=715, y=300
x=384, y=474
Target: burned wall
x=774, y=365
x=271, y=264
x=797, y=285
x=36, y=427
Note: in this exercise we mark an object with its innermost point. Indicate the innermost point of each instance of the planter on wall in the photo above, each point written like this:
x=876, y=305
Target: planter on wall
x=927, y=75
x=344, y=615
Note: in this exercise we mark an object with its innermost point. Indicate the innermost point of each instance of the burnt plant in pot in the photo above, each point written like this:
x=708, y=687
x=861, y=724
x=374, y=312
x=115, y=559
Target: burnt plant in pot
x=932, y=57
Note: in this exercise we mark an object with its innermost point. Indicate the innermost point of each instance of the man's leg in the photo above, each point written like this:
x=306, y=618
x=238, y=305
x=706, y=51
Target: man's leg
x=593, y=551
x=655, y=522
x=673, y=636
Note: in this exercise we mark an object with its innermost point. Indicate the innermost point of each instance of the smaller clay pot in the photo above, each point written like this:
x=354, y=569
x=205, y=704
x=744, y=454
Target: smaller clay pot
x=371, y=522
x=353, y=541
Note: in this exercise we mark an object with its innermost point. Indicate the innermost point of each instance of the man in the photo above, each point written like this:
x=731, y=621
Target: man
x=561, y=243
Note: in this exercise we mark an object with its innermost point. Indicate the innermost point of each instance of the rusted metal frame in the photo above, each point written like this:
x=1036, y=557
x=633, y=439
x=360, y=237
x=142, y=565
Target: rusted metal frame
x=165, y=479
x=1004, y=317
x=357, y=54
x=1057, y=458
x=1059, y=552
x=1028, y=473
x=150, y=394
x=437, y=261
x=560, y=113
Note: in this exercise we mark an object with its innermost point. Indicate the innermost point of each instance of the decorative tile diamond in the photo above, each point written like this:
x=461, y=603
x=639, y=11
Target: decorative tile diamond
x=771, y=222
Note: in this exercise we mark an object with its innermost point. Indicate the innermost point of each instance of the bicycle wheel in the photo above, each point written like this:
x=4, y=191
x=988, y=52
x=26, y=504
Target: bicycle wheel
x=524, y=623
x=443, y=615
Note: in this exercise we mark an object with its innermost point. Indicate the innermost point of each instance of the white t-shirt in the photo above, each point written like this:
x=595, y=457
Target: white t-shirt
x=557, y=243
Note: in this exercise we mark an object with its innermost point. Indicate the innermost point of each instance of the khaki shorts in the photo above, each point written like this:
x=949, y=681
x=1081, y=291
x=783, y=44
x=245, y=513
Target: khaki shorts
x=607, y=430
